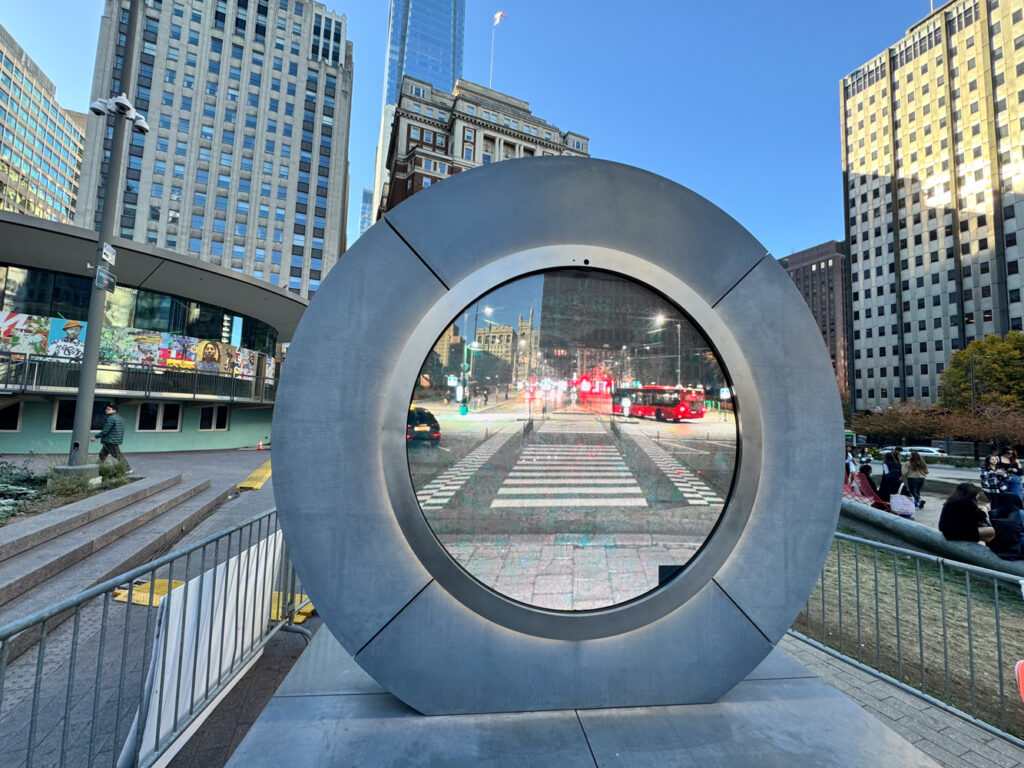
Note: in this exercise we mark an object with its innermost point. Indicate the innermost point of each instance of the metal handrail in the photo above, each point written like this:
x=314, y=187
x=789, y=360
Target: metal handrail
x=78, y=649
x=56, y=609
x=908, y=636
x=951, y=636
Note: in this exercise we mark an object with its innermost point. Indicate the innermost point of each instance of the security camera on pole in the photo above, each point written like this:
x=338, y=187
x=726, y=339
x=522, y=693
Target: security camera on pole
x=124, y=112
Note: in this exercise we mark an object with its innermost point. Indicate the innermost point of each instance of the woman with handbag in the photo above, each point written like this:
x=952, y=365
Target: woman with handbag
x=915, y=470
x=963, y=518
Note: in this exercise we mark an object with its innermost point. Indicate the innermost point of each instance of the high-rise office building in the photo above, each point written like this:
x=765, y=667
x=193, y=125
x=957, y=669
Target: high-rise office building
x=933, y=184
x=246, y=162
x=40, y=143
x=425, y=40
x=366, y=207
x=437, y=134
x=822, y=276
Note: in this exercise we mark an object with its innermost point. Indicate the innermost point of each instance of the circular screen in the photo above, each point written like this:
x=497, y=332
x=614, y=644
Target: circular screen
x=571, y=439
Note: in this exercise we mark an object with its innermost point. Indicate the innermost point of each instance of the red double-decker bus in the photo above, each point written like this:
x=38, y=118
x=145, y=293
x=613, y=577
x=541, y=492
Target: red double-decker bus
x=661, y=403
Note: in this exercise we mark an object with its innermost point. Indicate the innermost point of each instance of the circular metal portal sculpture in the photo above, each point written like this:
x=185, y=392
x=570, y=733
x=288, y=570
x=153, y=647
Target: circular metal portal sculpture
x=413, y=615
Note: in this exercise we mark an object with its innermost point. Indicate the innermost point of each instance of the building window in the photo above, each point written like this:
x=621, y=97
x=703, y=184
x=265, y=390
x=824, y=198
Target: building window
x=213, y=418
x=64, y=415
x=159, y=417
x=10, y=418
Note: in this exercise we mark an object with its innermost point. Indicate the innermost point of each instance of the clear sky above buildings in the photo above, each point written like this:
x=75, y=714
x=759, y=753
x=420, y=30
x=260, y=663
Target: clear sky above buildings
x=738, y=101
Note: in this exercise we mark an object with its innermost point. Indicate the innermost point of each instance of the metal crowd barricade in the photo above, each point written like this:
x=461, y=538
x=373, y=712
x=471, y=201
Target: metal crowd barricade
x=948, y=632
x=110, y=683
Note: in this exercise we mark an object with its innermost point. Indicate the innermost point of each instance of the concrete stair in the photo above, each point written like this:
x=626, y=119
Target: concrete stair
x=81, y=545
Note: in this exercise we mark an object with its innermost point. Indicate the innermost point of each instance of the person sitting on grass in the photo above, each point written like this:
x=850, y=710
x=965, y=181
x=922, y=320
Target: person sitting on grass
x=1007, y=518
x=963, y=518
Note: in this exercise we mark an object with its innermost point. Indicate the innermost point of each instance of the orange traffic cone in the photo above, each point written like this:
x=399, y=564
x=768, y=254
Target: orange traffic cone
x=260, y=446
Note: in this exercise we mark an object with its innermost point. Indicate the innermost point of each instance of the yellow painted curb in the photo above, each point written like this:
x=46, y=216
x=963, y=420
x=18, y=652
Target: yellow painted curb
x=257, y=479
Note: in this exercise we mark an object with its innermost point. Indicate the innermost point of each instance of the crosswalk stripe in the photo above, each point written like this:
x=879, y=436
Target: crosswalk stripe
x=550, y=489
x=443, y=487
x=569, y=503
x=569, y=476
x=693, y=489
x=565, y=480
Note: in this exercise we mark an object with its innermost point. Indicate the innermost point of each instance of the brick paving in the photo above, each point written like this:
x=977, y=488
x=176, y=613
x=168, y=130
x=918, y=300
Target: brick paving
x=946, y=738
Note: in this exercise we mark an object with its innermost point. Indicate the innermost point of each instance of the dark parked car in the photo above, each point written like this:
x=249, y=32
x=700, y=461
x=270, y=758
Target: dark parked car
x=421, y=425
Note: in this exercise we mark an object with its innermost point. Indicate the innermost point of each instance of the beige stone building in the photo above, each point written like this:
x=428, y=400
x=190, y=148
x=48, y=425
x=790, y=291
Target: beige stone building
x=436, y=134
x=40, y=143
x=932, y=130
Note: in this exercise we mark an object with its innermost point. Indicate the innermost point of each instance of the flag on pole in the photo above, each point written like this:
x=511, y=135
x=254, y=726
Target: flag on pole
x=498, y=17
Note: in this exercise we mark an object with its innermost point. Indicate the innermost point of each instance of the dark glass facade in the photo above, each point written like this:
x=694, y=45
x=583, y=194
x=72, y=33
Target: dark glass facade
x=54, y=294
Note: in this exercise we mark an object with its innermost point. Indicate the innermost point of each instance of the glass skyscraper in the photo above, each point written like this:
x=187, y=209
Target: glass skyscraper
x=424, y=41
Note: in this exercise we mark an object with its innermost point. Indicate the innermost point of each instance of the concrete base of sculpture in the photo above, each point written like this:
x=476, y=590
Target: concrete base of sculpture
x=329, y=711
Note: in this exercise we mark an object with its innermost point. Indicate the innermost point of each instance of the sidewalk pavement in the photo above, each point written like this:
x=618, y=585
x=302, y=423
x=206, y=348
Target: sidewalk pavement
x=223, y=468
x=946, y=738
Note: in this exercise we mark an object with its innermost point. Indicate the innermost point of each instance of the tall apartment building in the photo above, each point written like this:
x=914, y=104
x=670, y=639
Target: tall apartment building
x=437, y=134
x=246, y=162
x=425, y=41
x=933, y=184
x=822, y=276
x=40, y=143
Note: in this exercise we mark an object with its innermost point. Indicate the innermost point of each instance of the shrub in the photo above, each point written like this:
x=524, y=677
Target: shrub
x=114, y=474
x=67, y=485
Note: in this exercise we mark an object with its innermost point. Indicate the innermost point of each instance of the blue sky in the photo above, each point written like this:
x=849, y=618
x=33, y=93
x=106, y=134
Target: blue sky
x=737, y=101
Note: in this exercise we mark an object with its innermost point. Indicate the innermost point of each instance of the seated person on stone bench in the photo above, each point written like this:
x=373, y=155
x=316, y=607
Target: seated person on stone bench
x=963, y=518
x=866, y=471
x=1007, y=517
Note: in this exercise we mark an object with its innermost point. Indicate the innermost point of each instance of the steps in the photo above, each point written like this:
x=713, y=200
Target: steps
x=65, y=551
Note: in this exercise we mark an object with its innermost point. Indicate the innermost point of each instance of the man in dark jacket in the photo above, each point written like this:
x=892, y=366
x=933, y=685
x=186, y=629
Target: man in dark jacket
x=111, y=436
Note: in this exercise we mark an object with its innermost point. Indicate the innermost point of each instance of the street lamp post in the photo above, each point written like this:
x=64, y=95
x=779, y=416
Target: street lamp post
x=679, y=355
x=123, y=111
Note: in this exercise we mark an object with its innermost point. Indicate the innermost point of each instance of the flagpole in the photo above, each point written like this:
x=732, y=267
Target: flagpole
x=490, y=75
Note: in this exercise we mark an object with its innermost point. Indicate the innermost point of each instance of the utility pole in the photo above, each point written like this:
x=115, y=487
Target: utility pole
x=679, y=355
x=122, y=111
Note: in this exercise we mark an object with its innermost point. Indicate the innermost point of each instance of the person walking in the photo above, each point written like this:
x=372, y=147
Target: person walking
x=1009, y=463
x=915, y=470
x=892, y=475
x=111, y=436
x=851, y=465
x=864, y=457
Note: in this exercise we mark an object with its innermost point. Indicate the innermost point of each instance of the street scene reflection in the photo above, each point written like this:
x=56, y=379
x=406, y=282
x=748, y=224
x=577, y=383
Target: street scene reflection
x=572, y=439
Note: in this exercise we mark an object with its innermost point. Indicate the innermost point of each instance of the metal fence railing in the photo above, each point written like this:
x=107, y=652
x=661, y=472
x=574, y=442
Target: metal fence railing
x=949, y=632
x=94, y=681
x=52, y=375
x=114, y=675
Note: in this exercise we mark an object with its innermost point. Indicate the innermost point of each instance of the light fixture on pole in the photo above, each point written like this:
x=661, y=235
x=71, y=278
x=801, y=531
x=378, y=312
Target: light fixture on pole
x=124, y=112
x=679, y=355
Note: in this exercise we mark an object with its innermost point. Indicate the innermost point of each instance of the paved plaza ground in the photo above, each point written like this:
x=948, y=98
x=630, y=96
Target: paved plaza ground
x=669, y=482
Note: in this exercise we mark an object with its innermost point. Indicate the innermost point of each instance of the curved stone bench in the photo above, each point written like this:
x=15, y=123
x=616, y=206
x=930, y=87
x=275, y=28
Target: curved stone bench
x=906, y=533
